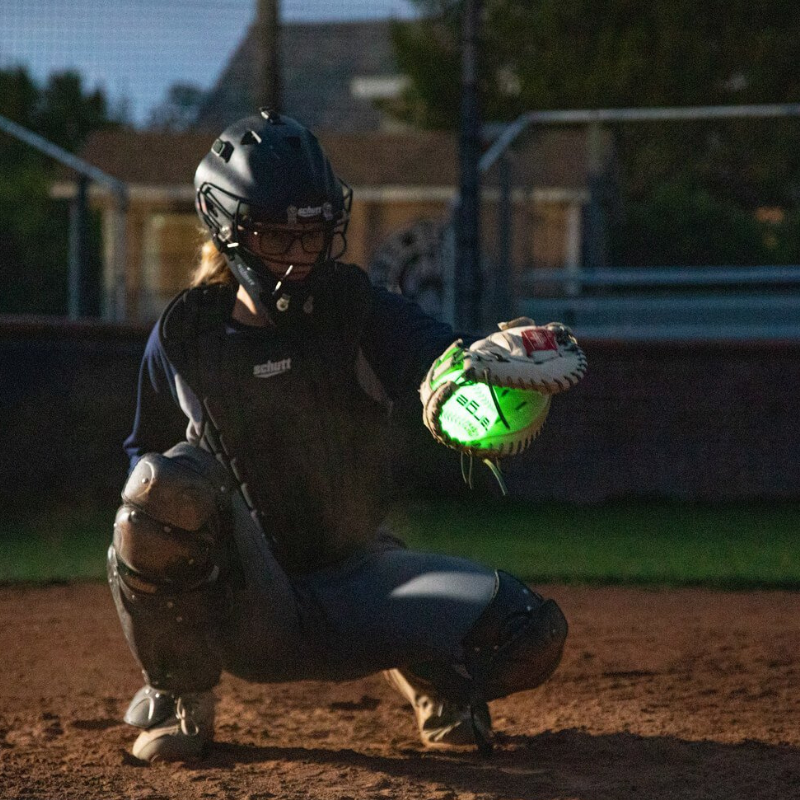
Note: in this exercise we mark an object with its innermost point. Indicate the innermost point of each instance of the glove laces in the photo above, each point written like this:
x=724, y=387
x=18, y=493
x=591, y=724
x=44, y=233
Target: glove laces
x=466, y=471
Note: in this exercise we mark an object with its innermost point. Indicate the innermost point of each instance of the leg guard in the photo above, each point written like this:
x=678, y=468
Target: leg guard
x=166, y=564
x=516, y=643
x=149, y=707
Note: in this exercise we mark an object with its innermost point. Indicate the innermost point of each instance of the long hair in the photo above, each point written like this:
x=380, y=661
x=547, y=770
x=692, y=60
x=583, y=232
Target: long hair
x=211, y=268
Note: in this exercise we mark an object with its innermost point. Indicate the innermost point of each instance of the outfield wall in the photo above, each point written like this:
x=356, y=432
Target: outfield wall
x=710, y=421
x=699, y=421
x=67, y=398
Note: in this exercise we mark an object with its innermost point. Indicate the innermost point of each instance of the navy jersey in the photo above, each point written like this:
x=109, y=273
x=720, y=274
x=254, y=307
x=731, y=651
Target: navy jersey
x=301, y=409
x=399, y=342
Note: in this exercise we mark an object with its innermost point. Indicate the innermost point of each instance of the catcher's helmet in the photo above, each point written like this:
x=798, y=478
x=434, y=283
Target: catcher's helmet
x=269, y=169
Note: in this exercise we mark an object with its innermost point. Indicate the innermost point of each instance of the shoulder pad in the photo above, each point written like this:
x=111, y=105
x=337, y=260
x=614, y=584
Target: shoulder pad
x=196, y=311
x=352, y=270
x=353, y=281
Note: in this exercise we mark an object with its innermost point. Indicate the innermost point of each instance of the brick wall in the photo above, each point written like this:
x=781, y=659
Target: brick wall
x=702, y=421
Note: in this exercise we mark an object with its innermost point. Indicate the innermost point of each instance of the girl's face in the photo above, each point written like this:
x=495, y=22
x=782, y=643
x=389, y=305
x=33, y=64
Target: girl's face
x=282, y=246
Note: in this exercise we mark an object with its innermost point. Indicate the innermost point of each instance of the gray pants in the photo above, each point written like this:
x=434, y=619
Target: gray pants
x=384, y=607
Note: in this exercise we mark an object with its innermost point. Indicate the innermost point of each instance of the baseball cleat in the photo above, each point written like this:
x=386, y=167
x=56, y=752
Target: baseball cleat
x=183, y=735
x=443, y=723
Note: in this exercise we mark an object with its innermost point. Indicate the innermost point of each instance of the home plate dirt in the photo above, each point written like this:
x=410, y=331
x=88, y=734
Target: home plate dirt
x=662, y=694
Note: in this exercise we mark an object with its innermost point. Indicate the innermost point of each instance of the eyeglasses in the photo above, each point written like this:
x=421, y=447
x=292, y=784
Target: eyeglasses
x=269, y=241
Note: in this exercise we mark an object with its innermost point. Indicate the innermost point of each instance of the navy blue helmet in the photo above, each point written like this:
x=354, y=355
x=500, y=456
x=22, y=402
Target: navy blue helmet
x=268, y=169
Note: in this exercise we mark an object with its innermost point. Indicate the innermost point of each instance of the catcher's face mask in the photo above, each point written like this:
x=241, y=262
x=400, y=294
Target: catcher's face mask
x=273, y=206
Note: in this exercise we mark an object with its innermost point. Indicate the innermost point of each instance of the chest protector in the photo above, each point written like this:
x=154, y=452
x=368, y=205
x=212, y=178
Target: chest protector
x=285, y=409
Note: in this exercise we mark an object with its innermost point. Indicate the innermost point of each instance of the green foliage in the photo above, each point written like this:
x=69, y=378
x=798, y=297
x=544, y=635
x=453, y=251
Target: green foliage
x=67, y=114
x=33, y=241
x=33, y=227
x=178, y=110
x=604, y=54
x=20, y=98
x=681, y=223
x=562, y=54
x=785, y=240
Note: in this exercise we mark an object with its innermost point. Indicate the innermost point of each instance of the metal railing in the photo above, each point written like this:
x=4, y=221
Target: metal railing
x=668, y=303
x=598, y=116
x=116, y=263
x=511, y=296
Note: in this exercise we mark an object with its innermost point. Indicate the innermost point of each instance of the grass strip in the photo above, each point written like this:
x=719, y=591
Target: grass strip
x=741, y=546
x=738, y=546
x=63, y=544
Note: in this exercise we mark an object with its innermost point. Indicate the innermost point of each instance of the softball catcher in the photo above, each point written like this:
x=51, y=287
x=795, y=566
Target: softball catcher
x=250, y=537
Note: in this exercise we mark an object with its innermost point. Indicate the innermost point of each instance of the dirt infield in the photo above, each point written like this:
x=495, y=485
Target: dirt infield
x=662, y=694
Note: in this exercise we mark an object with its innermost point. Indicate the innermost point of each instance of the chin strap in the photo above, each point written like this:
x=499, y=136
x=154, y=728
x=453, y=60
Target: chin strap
x=249, y=278
x=282, y=302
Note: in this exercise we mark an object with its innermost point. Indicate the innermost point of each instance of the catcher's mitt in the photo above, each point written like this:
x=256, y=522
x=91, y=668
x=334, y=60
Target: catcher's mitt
x=491, y=399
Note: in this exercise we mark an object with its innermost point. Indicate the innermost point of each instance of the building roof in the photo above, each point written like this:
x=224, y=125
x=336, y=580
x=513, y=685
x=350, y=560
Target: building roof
x=318, y=63
x=550, y=159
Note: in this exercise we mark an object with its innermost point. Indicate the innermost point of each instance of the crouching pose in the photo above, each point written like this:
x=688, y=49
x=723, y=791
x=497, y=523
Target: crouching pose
x=250, y=537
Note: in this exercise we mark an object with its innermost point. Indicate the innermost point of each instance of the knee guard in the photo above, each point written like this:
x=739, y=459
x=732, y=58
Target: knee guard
x=169, y=531
x=169, y=548
x=516, y=643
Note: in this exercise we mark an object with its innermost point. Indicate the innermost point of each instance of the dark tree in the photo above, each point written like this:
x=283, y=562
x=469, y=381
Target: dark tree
x=178, y=111
x=34, y=227
x=561, y=54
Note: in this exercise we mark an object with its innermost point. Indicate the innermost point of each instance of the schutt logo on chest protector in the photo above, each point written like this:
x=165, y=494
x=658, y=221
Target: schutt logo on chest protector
x=272, y=368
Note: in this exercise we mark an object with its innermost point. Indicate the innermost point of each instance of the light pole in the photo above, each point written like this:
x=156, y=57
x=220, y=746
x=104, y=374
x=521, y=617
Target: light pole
x=468, y=278
x=267, y=86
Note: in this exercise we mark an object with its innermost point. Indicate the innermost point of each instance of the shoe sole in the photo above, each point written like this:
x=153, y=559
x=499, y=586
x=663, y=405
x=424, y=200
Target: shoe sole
x=463, y=735
x=169, y=748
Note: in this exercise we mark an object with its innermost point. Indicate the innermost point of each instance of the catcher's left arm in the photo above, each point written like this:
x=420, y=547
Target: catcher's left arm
x=491, y=399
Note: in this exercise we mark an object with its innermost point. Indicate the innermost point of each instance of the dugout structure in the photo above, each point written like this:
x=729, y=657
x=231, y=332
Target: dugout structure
x=716, y=303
